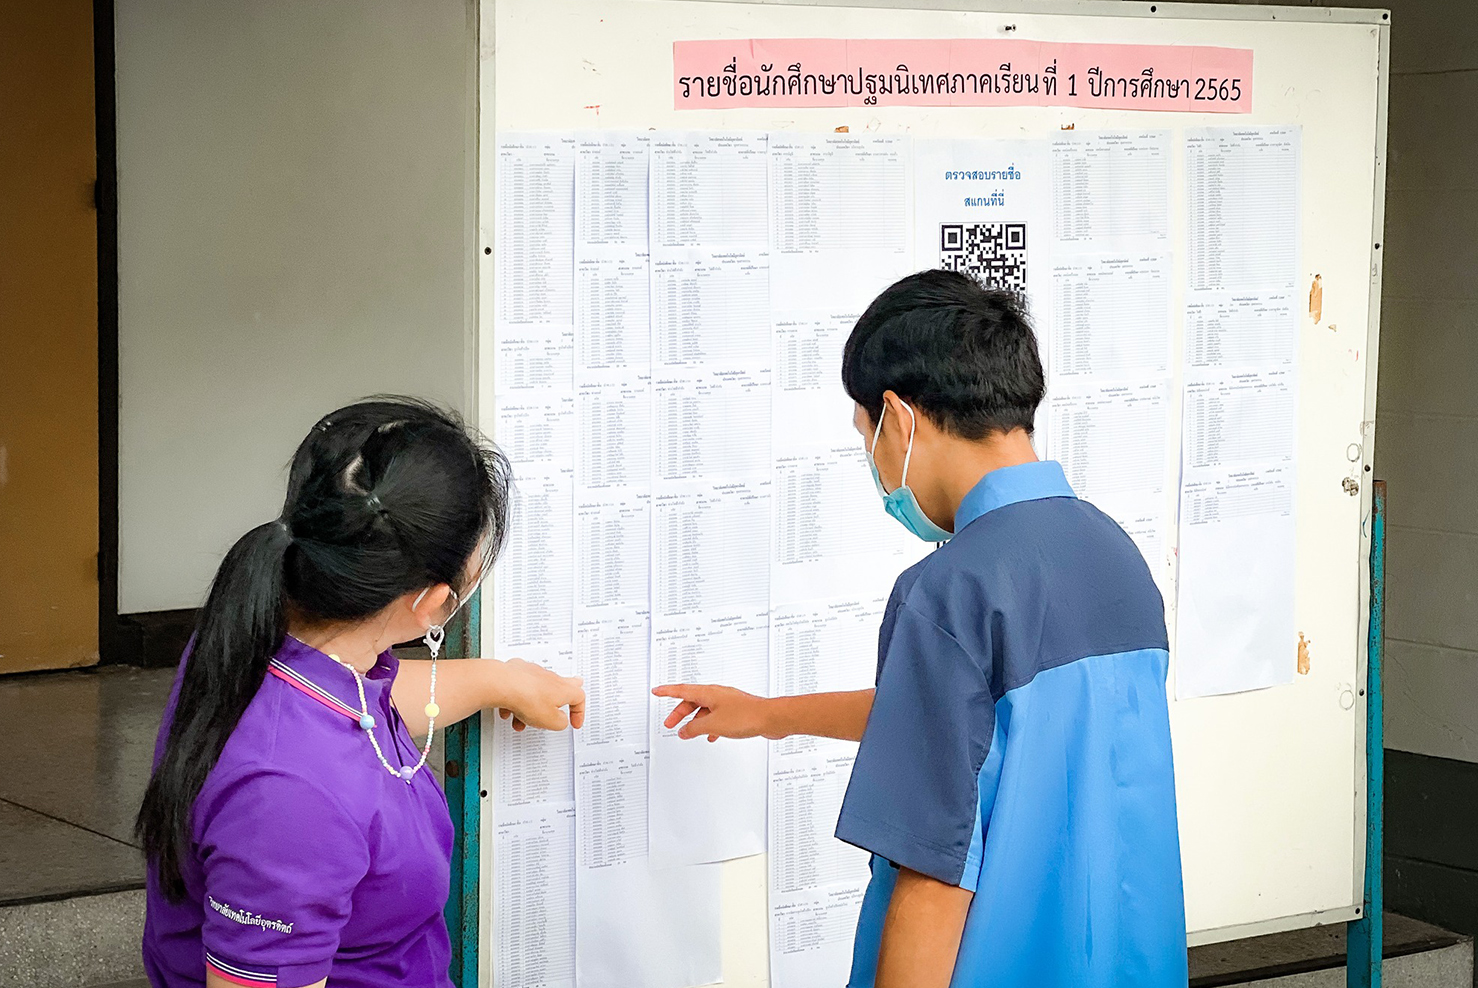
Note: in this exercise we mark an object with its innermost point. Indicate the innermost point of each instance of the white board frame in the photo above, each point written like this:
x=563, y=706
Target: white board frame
x=743, y=877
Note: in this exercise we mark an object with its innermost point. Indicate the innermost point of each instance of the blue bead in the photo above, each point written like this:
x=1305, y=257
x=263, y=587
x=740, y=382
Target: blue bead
x=367, y=722
x=407, y=771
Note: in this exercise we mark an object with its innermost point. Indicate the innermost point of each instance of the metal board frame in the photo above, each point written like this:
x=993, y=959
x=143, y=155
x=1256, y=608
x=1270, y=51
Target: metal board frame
x=470, y=867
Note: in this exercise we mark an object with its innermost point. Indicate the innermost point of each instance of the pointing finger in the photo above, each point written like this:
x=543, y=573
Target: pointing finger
x=700, y=695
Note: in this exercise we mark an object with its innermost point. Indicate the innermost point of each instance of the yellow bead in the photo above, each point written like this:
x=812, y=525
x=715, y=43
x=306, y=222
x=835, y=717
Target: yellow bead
x=433, y=711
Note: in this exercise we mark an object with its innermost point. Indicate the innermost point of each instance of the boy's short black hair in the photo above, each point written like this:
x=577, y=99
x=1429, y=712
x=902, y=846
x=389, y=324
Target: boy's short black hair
x=963, y=354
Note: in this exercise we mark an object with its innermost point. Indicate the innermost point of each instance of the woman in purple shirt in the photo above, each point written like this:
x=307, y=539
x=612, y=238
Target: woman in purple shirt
x=293, y=837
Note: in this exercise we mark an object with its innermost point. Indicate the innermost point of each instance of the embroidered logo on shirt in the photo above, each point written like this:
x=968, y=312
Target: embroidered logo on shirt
x=247, y=918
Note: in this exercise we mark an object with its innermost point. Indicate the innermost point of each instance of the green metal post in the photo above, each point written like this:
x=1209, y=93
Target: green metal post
x=464, y=798
x=1363, y=956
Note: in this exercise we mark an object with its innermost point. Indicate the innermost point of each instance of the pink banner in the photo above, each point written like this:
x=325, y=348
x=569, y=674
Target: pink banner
x=964, y=72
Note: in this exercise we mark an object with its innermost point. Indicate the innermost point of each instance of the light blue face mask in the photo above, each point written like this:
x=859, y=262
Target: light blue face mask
x=901, y=504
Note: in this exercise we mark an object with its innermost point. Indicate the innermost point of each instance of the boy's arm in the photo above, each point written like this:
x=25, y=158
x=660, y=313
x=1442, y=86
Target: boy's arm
x=922, y=931
x=724, y=712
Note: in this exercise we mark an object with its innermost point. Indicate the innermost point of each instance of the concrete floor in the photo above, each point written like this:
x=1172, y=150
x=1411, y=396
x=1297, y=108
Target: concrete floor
x=78, y=750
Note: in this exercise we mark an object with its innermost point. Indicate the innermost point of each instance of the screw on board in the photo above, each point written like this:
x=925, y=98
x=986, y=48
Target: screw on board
x=1351, y=486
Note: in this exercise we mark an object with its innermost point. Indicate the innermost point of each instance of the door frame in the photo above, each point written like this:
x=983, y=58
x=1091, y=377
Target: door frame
x=105, y=196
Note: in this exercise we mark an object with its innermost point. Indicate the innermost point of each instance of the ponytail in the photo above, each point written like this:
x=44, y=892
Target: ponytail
x=384, y=497
x=240, y=628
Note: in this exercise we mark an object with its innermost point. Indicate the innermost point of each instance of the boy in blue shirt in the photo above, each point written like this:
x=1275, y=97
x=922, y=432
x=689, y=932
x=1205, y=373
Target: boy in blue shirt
x=1014, y=781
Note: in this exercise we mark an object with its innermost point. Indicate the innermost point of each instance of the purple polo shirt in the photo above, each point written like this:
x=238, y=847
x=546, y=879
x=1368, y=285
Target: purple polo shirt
x=309, y=860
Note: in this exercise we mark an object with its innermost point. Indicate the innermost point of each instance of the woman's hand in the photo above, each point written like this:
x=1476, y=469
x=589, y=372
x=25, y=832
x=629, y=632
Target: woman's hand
x=533, y=696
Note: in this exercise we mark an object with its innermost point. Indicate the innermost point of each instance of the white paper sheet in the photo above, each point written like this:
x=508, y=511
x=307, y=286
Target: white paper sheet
x=533, y=303
x=984, y=207
x=816, y=882
x=1235, y=627
x=1110, y=317
x=532, y=780
x=1108, y=414
x=1111, y=191
x=710, y=606
x=534, y=887
x=1252, y=329
x=638, y=925
x=1112, y=441
x=1242, y=195
x=628, y=917
x=839, y=219
x=710, y=484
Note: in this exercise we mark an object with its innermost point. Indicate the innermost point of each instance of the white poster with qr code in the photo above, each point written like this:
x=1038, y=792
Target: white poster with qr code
x=984, y=208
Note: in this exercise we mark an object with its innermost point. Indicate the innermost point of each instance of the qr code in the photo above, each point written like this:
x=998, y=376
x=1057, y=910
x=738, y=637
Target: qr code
x=993, y=253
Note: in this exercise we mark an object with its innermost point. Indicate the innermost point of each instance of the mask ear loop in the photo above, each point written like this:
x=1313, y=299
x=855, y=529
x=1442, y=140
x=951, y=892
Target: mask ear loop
x=872, y=451
x=913, y=423
x=436, y=633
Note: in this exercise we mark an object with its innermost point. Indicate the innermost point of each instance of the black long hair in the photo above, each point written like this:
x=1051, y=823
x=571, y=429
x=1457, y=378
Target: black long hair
x=384, y=497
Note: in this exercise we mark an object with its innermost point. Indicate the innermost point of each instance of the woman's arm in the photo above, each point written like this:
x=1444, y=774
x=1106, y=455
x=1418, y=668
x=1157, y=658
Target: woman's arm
x=724, y=712
x=530, y=693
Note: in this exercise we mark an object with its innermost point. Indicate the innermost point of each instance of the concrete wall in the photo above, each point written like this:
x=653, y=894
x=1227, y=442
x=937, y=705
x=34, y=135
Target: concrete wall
x=1428, y=401
x=294, y=196
x=1427, y=448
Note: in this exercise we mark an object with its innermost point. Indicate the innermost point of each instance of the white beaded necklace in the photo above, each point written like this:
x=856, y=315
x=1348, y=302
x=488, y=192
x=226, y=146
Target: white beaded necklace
x=367, y=721
x=434, y=637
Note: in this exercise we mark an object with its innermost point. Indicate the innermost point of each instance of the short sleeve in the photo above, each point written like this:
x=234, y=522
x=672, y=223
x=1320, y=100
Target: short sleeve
x=913, y=796
x=281, y=860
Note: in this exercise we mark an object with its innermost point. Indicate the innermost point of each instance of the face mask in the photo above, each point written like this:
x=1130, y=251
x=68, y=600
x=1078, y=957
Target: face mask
x=902, y=504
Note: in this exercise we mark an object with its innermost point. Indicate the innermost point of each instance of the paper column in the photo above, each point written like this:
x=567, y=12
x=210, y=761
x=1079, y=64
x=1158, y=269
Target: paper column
x=532, y=784
x=1109, y=409
x=634, y=925
x=1235, y=627
x=710, y=480
x=839, y=231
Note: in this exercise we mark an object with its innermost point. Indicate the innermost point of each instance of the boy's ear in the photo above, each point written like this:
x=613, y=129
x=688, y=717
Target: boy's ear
x=897, y=421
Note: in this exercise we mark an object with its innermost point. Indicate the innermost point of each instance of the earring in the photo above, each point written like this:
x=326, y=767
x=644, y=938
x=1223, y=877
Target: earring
x=435, y=635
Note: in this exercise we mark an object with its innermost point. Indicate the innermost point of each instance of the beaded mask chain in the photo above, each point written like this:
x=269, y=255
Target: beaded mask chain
x=367, y=719
x=435, y=635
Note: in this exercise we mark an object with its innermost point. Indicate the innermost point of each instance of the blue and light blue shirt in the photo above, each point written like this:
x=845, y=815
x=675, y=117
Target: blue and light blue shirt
x=1019, y=747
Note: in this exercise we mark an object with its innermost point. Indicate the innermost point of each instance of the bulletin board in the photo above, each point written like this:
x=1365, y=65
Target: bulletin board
x=1271, y=782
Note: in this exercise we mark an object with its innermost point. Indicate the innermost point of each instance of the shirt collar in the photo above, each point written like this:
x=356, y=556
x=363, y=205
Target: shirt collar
x=329, y=674
x=1008, y=485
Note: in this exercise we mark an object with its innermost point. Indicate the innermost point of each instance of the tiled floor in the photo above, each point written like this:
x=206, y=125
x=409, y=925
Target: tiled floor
x=78, y=746
x=77, y=751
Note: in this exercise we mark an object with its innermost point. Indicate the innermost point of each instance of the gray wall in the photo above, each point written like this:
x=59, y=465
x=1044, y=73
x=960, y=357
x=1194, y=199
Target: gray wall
x=293, y=198
x=1427, y=424
x=1427, y=448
